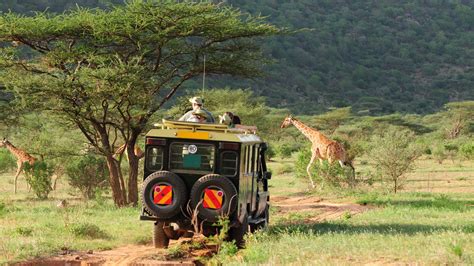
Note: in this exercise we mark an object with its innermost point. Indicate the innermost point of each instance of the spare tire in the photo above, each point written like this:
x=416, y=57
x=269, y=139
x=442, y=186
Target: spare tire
x=164, y=194
x=210, y=208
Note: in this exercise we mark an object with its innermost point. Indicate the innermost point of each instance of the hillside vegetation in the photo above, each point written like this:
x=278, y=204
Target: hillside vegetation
x=378, y=57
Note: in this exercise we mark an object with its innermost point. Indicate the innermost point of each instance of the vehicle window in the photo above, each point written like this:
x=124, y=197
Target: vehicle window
x=244, y=159
x=229, y=163
x=154, y=158
x=254, y=158
x=248, y=157
x=258, y=158
x=197, y=157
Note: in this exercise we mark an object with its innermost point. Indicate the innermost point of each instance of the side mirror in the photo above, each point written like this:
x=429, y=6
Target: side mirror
x=267, y=175
x=264, y=147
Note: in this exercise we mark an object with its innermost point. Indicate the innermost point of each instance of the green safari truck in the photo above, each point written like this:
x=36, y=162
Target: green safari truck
x=196, y=173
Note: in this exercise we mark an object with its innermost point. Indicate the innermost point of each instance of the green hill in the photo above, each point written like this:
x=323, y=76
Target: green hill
x=376, y=56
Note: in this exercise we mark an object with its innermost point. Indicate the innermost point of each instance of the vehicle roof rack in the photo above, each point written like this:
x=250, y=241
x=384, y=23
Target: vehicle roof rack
x=172, y=124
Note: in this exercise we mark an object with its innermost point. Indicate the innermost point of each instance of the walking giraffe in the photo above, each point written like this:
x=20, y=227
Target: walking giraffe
x=21, y=156
x=323, y=148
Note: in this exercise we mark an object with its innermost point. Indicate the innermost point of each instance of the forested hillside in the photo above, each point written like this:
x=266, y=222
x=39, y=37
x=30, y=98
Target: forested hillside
x=29, y=6
x=376, y=56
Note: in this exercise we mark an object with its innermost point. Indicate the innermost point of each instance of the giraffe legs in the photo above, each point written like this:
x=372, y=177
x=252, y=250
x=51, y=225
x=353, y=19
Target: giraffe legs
x=308, y=168
x=18, y=171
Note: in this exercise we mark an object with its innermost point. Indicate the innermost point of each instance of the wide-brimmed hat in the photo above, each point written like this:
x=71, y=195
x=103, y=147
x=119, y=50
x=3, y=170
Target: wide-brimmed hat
x=196, y=100
x=201, y=112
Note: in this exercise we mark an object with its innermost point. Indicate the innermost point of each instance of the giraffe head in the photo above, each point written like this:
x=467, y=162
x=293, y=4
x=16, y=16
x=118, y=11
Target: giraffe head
x=3, y=142
x=288, y=120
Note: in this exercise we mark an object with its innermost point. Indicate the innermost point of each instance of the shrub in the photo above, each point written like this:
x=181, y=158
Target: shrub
x=176, y=252
x=467, y=150
x=7, y=162
x=439, y=153
x=87, y=230
x=87, y=175
x=270, y=153
x=325, y=174
x=38, y=177
x=394, y=153
x=285, y=150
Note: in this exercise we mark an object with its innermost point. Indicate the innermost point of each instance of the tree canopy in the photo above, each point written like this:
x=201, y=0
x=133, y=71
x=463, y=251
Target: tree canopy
x=109, y=71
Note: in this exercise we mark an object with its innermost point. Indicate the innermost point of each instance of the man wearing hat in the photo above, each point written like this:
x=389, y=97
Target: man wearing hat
x=197, y=104
x=199, y=116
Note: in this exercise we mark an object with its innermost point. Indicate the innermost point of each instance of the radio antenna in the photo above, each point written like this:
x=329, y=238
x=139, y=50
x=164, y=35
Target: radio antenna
x=204, y=74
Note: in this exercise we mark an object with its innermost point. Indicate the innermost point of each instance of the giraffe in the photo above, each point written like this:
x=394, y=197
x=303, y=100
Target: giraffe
x=138, y=152
x=322, y=148
x=21, y=156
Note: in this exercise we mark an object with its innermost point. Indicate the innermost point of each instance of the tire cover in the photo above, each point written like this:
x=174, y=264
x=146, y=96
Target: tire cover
x=179, y=198
x=214, y=181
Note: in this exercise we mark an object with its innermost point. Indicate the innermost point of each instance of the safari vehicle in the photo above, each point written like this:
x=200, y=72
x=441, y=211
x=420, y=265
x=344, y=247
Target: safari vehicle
x=196, y=173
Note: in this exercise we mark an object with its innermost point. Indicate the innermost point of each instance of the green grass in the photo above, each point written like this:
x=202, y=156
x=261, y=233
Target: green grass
x=410, y=232
x=412, y=227
x=424, y=225
x=32, y=228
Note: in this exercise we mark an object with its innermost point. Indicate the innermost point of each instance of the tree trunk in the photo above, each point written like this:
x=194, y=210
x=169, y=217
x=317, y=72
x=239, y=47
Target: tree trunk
x=114, y=180
x=133, y=161
x=121, y=180
x=133, y=180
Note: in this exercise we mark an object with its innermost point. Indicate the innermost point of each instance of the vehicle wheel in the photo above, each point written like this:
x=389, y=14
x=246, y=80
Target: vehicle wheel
x=262, y=225
x=238, y=233
x=156, y=196
x=210, y=210
x=160, y=239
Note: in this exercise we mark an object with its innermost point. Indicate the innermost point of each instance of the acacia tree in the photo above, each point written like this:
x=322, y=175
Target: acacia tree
x=394, y=154
x=109, y=71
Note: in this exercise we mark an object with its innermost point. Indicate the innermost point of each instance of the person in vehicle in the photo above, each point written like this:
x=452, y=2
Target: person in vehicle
x=198, y=116
x=229, y=119
x=233, y=121
x=197, y=103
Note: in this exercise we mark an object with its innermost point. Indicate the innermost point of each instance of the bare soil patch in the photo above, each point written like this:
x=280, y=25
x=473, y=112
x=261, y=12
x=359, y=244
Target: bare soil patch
x=148, y=255
x=325, y=210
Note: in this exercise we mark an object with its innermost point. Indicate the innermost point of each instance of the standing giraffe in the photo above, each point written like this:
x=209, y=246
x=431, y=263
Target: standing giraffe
x=21, y=156
x=323, y=147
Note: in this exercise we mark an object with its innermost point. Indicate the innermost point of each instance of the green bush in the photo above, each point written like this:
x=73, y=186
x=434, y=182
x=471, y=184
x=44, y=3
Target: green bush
x=38, y=177
x=7, y=162
x=270, y=153
x=285, y=150
x=88, y=174
x=325, y=174
x=87, y=230
x=467, y=150
x=439, y=153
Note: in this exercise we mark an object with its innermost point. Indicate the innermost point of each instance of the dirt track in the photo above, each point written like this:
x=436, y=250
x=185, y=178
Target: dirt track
x=147, y=255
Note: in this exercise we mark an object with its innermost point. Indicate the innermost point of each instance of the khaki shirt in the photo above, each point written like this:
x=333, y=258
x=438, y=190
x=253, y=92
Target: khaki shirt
x=187, y=116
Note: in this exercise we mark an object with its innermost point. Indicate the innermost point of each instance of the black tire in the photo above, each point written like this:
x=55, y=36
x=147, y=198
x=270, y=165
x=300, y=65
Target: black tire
x=160, y=239
x=229, y=200
x=179, y=199
x=237, y=233
x=262, y=225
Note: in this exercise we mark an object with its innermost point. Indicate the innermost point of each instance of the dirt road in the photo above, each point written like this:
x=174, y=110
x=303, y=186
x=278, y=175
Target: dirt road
x=318, y=210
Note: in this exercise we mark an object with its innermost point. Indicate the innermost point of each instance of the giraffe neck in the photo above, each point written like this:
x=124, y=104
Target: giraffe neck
x=19, y=154
x=308, y=131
